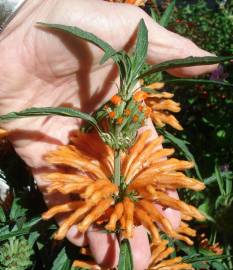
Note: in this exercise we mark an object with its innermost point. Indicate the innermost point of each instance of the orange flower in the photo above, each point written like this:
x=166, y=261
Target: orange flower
x=116, y=100
x=127, y=112
x=119, y=120
x=146, y=173
x=161, y=105
x=135, y=118
x=140, y=96
x=112, y=115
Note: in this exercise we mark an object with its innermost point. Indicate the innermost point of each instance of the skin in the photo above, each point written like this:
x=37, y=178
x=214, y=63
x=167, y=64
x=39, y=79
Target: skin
x=41, y=68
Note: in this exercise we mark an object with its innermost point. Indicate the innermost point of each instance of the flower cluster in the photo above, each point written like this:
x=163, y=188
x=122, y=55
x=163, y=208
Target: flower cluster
x=147, y=173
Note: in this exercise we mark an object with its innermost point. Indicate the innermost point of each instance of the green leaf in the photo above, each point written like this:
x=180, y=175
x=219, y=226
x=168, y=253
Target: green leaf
x=46, y=111
x=197, y=81
x=17, y=210
x=213, y=177
x=125, y=260
x=154, y=15
x=182, y=146
x=165, y=19
x=2, y=215
x=77, y=32
x=186, y=62
x=141, y=48
x=219, y=179
x=26, y=229
x=62, y=262
x=33, y=238
x=206, y=258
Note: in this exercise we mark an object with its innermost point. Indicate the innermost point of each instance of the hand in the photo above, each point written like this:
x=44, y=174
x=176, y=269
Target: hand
x=41, y=68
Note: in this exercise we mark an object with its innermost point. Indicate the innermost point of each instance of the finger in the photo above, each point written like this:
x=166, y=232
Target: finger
x=165, y=45
x=104, y=247
x=140, y=248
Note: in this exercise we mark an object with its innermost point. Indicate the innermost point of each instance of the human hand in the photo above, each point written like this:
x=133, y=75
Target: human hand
x=41, y=68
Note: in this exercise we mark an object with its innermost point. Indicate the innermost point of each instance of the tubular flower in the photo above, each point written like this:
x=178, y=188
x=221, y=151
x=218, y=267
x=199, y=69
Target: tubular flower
x=204, y=243
x=159, y=258
x=147, y=175
x=161, y=105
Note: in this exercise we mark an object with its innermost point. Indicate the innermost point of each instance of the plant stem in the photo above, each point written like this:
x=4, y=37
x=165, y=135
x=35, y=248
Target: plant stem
x=117, y=166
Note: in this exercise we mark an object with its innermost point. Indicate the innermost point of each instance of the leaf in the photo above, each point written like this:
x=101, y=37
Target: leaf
x=197, y=81
x=182, y=146
x=154, y=15
x=62, y=262
x=213, y=177
x=219, y=179
x=186, y=62
x=109, y=51
x=206, y=258
x=141, y=48
x=164, y=21
x=46, y=111
x=17, y=210
x=26, y=229
x=2, y=215
x=33, y=238
x=125, y=260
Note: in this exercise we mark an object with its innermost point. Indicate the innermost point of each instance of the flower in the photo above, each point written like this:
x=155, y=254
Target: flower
x=116, y=100
x=146, y=173
x=161, y=105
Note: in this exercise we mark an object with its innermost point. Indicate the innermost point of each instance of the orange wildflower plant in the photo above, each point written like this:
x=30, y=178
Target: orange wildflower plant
x=146, y=175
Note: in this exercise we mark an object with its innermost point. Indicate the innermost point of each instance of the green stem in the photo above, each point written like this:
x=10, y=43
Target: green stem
x=117, y=166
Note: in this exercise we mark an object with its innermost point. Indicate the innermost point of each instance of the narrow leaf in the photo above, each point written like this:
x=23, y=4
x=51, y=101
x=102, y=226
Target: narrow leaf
x=213, y=178
x=219, y=179
x=197, y=81
x=109, y=51
x=165, y=19
x=125, y=260
x=182, y=146
x=2, y=215
x=46, y=111
x=186, y=62
x=62, y=262
x=141, y=47
x=206, y=258
x=26, y=229
x=154, y=15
